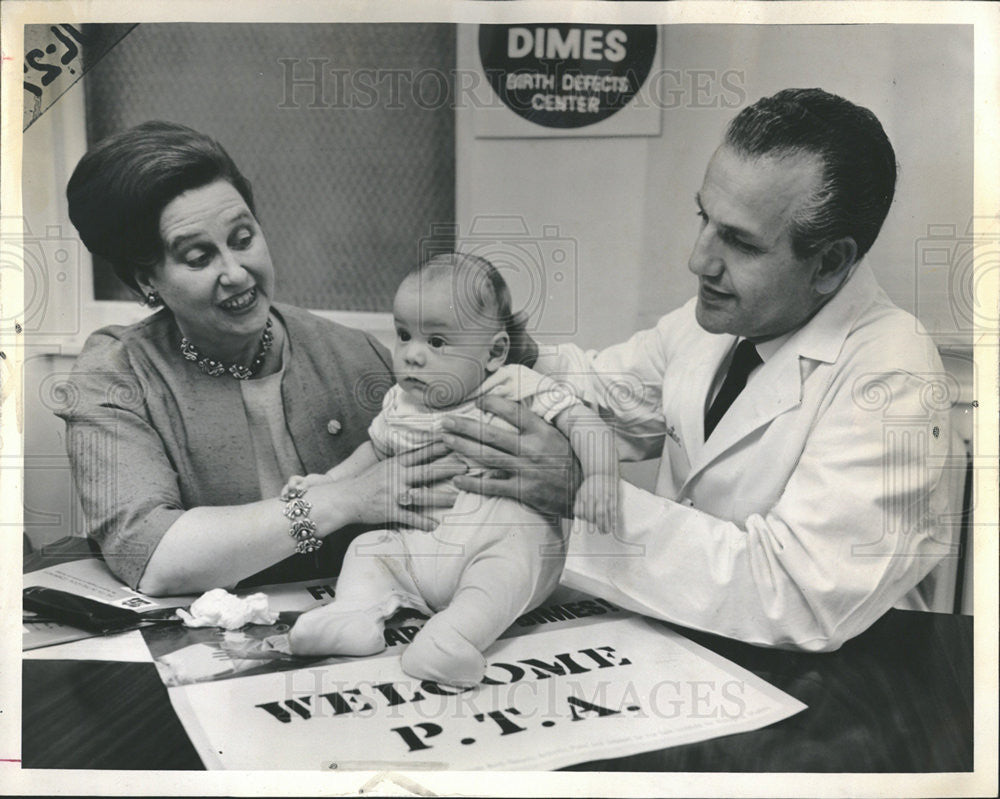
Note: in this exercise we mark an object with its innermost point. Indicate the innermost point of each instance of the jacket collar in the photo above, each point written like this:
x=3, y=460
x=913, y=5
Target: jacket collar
x=822, y=337
x=777, y=386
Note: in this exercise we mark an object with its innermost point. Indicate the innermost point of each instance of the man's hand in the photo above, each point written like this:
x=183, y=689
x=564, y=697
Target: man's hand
x=532, y=464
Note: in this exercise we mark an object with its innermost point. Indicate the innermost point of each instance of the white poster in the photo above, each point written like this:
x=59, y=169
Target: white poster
x=594, y=689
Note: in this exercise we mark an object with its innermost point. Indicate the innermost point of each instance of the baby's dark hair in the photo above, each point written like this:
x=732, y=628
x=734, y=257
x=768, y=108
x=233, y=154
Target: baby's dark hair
x=483, y=298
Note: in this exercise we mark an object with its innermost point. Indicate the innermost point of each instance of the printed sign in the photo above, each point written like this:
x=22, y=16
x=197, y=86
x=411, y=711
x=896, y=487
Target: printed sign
x=565, y=76
x=554, y=693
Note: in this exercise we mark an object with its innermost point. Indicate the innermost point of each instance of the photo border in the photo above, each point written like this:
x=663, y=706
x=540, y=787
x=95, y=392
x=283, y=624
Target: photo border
x=983, y=781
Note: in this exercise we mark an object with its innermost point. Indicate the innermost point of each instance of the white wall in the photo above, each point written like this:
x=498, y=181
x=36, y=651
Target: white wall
x=628, y=202
x=58, y=314
x=625, y=203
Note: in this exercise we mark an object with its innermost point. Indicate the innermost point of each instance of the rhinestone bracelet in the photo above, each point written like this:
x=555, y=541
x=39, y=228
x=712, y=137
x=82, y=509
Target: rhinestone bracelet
x=302, y=528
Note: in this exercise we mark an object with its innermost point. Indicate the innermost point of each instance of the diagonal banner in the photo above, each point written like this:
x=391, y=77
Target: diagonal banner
x=57, y=56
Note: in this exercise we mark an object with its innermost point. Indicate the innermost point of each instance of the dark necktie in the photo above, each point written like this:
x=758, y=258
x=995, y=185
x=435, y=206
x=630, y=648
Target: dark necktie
x=745, y=360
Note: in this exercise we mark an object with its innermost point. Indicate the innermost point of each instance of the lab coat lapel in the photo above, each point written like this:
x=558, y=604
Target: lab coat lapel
x=774, y=389
x=697, y=371
x=777, y=388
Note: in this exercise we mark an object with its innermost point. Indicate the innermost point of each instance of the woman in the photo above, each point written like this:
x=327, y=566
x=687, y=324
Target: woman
x=183, y=428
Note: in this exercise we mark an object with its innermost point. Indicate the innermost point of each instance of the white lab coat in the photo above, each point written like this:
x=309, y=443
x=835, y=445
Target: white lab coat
x=817, y=503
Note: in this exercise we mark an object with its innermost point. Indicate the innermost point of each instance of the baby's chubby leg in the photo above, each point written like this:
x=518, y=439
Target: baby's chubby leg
x=369, y=590
x=496, y=587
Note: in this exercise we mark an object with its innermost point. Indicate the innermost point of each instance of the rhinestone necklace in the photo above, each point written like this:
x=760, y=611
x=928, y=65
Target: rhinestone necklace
x=212, y=367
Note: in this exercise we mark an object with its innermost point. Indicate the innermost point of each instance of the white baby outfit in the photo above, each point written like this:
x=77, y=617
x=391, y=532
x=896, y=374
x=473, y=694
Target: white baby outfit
x=489, y=560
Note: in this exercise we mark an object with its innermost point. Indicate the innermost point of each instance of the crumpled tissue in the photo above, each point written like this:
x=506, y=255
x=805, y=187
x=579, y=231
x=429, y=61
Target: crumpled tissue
x=219, y=608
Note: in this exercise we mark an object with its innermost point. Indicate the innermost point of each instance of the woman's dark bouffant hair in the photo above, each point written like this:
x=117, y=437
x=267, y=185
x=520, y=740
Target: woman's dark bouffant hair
x=121, y=186
x=483, y=294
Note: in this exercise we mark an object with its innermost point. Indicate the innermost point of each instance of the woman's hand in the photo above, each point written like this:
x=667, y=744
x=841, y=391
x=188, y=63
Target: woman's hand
x=533, y=464
x=394, y=490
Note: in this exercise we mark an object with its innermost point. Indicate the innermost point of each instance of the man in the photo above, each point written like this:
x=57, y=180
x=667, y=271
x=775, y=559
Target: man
x=793, y=407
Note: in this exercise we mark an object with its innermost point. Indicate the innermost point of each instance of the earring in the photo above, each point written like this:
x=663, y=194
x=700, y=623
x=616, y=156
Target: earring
x=152, y=299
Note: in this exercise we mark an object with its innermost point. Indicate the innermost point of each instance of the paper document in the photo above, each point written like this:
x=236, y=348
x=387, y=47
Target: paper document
x=91, y=578
x=125, y=647
x=555, y=693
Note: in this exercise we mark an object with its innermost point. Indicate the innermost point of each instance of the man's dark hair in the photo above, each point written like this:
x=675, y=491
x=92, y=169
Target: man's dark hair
x=859, y=165
x=121, y=186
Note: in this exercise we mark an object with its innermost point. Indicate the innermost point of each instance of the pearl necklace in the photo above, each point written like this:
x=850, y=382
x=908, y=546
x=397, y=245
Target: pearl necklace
x=212, y=367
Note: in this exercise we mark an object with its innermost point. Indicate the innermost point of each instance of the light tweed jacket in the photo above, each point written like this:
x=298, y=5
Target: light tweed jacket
x=150, y=436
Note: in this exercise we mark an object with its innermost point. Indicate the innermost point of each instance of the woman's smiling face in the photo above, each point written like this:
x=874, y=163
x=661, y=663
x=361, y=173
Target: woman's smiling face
x=216, y=275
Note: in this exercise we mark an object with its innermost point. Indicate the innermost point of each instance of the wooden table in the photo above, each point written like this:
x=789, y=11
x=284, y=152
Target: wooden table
x=896, y=699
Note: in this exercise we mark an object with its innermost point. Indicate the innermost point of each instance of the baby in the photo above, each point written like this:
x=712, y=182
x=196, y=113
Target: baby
x=491, y=559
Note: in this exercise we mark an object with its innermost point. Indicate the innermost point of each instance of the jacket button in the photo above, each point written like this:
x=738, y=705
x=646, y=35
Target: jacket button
x=333, y=427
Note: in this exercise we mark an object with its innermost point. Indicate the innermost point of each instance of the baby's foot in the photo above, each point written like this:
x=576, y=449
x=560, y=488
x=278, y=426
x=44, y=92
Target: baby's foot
x=329, y=631
x=441, y=653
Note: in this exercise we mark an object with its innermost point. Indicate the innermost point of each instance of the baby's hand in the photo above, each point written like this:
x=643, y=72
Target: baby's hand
x=597, y=501
x=302, y=482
